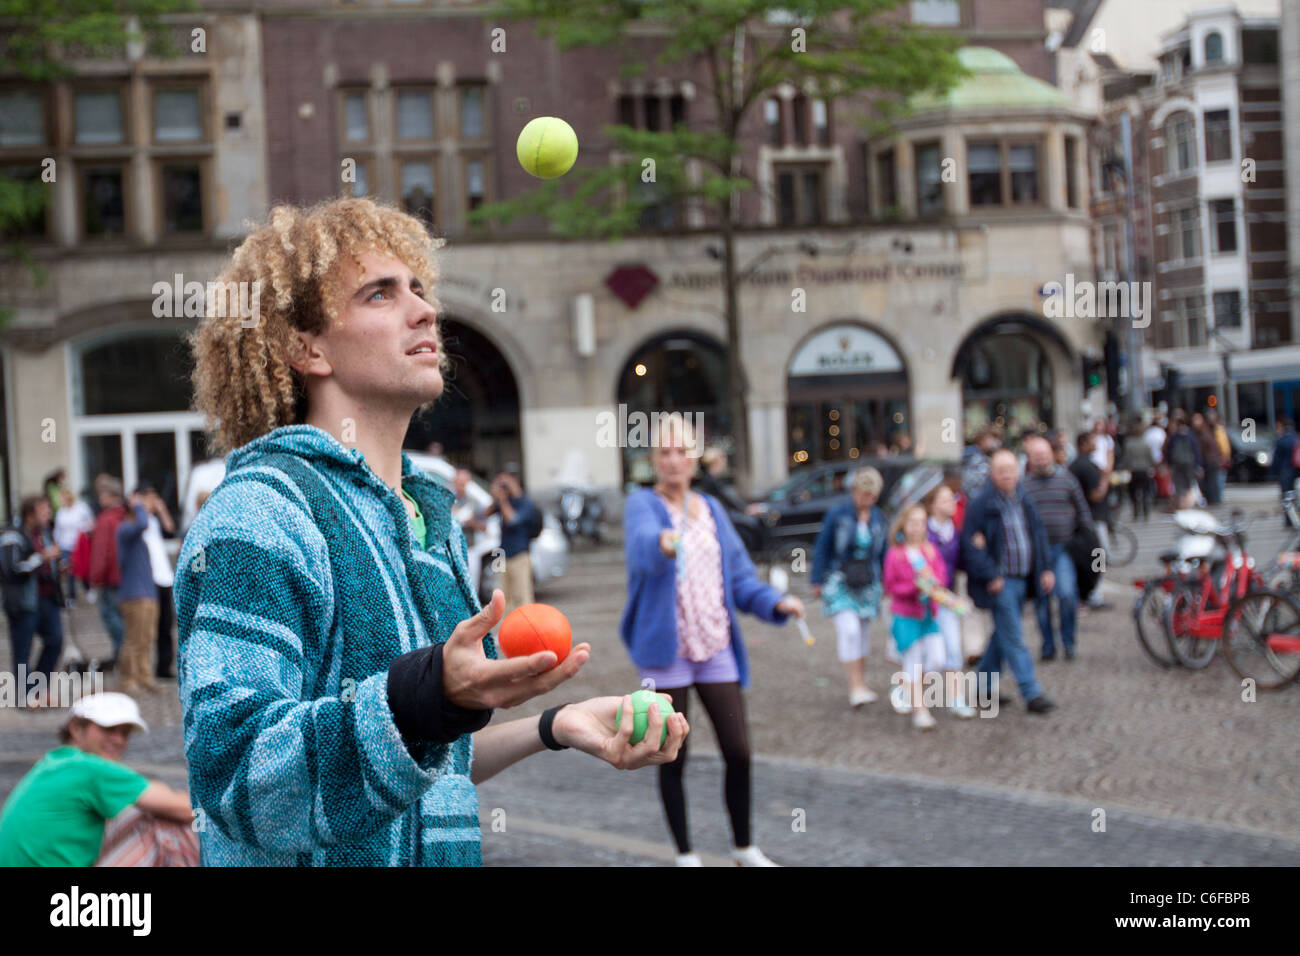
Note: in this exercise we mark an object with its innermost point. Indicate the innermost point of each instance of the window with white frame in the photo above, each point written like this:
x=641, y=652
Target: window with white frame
x=1180, y=144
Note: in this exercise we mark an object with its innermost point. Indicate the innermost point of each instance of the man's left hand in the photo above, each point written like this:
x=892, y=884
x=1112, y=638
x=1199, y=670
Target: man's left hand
x=1047, y=581
x=590, y=726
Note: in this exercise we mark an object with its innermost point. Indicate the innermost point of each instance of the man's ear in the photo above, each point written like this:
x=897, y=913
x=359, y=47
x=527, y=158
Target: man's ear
x=303, y=354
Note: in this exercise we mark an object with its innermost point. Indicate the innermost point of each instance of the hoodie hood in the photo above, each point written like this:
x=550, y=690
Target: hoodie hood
x=326, y=452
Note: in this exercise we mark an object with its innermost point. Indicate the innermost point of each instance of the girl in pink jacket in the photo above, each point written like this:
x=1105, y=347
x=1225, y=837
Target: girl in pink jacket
x=912, y=567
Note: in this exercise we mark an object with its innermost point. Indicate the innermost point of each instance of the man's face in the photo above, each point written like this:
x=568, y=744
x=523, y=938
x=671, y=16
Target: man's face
x=1039, y=454
x=369, y=351
x=1005, y=473
x=107, y=742
x=42, y=515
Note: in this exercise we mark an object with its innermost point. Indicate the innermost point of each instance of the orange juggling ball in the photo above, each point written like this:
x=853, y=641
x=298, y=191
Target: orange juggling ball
x=533, y=628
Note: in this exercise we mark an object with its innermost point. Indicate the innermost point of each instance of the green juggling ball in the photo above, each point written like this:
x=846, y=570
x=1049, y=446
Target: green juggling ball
x=641, y=701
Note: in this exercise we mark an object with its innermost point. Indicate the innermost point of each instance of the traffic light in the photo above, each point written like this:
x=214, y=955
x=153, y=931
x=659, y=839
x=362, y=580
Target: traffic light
x=1112, y=359
x=1092, y=373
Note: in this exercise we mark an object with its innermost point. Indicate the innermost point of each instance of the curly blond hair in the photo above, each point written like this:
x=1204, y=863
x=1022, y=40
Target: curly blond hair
x=243, y=382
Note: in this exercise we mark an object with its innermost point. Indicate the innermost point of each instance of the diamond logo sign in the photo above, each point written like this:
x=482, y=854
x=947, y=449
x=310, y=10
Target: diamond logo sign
x=631, y=284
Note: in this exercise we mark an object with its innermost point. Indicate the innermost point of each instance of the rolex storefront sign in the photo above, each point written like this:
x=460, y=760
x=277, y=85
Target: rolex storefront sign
x=847, y=395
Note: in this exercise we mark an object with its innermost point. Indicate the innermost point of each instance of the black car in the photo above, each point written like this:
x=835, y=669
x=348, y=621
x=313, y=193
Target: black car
x=1251, y=459
x=794, y=510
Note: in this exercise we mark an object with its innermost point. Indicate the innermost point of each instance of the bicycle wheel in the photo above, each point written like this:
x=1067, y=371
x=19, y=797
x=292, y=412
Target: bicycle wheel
x=1261, y=638
x=1283, y=577
x=1123, y=546
x=1150, y=614
x=1184, y=613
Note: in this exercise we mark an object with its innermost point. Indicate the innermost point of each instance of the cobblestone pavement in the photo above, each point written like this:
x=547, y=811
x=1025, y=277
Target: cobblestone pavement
x=1186, y=771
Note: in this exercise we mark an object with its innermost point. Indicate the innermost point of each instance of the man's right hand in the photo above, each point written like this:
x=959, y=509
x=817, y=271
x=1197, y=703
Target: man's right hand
x=473, y=681
x=995, y=586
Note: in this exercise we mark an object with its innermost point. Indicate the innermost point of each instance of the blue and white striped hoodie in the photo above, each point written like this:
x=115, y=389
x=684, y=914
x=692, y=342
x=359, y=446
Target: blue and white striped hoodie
x=297, y=585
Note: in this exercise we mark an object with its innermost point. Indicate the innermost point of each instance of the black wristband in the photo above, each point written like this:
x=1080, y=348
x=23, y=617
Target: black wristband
x=544, y=728
x=420, y=711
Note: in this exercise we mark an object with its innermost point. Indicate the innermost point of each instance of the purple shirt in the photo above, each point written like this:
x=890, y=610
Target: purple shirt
x=948, y=548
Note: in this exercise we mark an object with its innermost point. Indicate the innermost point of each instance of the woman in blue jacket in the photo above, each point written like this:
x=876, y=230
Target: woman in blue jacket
x=848, y=562
x=688, y=575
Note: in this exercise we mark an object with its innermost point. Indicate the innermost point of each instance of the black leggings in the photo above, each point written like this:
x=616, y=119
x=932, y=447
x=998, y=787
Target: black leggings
x=726, y=709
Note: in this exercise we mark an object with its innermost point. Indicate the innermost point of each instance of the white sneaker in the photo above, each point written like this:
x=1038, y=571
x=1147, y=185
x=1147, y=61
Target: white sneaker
x=898, y=699
x=751, y=856
x=689, y=859
x=865, y=696
x=962, y=709
x=924, y=720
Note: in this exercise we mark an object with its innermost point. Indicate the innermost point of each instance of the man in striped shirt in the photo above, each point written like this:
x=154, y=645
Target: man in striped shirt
x=1056, y=495
x=1005, y=551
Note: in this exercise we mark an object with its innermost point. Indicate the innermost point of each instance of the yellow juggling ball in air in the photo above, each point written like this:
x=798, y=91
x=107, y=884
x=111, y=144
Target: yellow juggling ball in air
x=547, y=147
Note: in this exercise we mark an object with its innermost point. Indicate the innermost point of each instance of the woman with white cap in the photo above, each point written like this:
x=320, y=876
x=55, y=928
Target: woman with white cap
x=81, y=806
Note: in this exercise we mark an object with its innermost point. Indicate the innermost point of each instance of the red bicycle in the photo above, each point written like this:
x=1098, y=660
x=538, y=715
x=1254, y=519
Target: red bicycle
x=1230, y=603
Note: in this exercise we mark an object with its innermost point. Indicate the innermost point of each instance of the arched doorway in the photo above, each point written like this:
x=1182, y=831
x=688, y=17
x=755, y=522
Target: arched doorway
x=847, y=393
x=477, y=418
x=131, y=418
x=673, y=372
x=1007, y=375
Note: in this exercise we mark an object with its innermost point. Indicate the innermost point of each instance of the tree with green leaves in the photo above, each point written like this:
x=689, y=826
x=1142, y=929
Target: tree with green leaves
x=40, y=40
x=745, y=49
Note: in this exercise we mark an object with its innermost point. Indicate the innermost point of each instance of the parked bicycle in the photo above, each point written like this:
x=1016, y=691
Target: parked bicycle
x=1210, y=587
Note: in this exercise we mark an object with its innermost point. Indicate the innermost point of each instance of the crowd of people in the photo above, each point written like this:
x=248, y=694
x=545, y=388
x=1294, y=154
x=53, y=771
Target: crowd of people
x=116, y=557
x=336, y=668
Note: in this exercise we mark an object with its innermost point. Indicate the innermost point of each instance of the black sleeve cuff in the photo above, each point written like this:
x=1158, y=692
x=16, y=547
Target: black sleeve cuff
x=419, y=709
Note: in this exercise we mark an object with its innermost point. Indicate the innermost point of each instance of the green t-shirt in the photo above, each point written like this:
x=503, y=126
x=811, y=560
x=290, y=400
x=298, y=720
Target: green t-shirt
x=417, y=523
x=55, y=816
